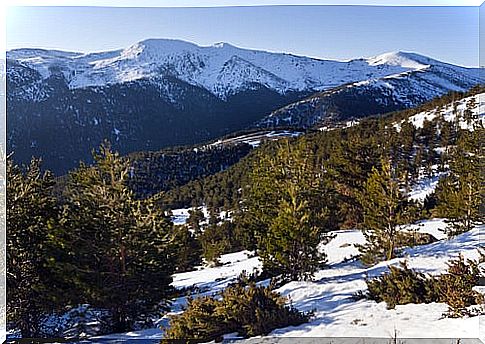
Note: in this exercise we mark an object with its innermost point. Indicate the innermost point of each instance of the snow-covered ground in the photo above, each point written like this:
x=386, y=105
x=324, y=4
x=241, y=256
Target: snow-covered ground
x=448, y=113
x=181, y=216
x=424, y=187
x=255, y=139
x=337, y=313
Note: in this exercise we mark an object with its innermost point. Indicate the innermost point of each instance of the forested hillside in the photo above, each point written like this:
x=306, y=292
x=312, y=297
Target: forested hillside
x=350, y=152
x=104, y=237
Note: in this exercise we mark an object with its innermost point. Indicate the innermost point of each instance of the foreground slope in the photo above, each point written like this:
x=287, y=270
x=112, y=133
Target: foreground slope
x=331, y=293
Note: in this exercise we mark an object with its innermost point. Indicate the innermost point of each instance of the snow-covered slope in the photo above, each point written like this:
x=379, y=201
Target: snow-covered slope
x=449, y=113
x=421, y=83
x=330, y=294
x=222, y=69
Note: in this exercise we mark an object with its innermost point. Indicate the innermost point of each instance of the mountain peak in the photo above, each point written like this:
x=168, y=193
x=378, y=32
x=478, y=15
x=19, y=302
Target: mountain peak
x=221, y=45
x=157, y=46
x=403, y=59
x=221, y=68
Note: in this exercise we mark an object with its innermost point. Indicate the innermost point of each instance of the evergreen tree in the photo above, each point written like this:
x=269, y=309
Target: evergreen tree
x=188, y=248
x=288, y=205
x=31, y=212
x=459, y=194
x=348, y=160
x=196, y=216
x=468, y=116
x=119, y=252
x=385, y=208
x=216, y=239
x=447, y=133
x=405, y=152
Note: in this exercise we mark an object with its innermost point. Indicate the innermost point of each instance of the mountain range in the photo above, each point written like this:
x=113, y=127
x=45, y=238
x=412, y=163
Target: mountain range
x=160, y=93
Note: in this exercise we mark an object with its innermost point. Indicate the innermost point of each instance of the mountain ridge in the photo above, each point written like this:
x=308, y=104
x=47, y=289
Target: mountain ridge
x=162, y=93
x=214, y=67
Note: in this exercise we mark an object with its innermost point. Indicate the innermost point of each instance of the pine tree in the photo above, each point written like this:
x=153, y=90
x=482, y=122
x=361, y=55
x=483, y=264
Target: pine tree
x=119, y=251
x=385, y=208
x=468, y=114
x=405, y=152
x=216, y=239
x=348, y=161
x=288, y=205
x=460, y=193
x=31, y=211
x=188, y=248
x=196, y=216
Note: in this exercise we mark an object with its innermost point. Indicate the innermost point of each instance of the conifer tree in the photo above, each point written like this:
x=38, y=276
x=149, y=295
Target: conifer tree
x=347, y=162
x=405, y=152
x=188, y=248
x=196, y=216
x=31, y=211
x=385, y=208
x=468, y=115
x=216, y=238
x=119, y=251
x=288, y=205
x=460, y=193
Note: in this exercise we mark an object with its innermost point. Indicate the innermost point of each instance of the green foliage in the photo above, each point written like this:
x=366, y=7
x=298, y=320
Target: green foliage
x=152, y=172
x=460, y=193
x=243, y=307
x=402, y=285
x=188, y=249
x=413, y=238
x=118, y=251
x=455, y=287
x=31, y=213
x=289, y=208
x=215, y=241
x=214, y=237
x=385, y=208
x=196, y=216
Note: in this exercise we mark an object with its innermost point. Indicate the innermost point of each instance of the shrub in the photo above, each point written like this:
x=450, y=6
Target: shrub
x=188, y=249
x=200, y=321
x=257, y=310
x=243, y=307
x=218, y=239
x=455, y=288
x=400, y=286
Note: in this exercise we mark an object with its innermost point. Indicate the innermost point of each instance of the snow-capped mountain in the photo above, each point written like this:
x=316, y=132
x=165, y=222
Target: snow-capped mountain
x=160, y=93
x=222, y=69
x=425, y=80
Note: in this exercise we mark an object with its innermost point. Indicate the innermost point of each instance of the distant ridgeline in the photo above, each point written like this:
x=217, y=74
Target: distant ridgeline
x=166, y=93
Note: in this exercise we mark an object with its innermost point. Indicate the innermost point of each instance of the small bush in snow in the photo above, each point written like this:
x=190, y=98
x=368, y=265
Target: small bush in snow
x=455, y=288
x=243, y=307
x=414, y=238
x=400, y=286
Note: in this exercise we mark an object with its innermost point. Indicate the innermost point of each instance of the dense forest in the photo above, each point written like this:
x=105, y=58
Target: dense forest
x=102, y=235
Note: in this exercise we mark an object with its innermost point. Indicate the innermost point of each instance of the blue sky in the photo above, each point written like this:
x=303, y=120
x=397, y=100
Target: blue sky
x=337, y=32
